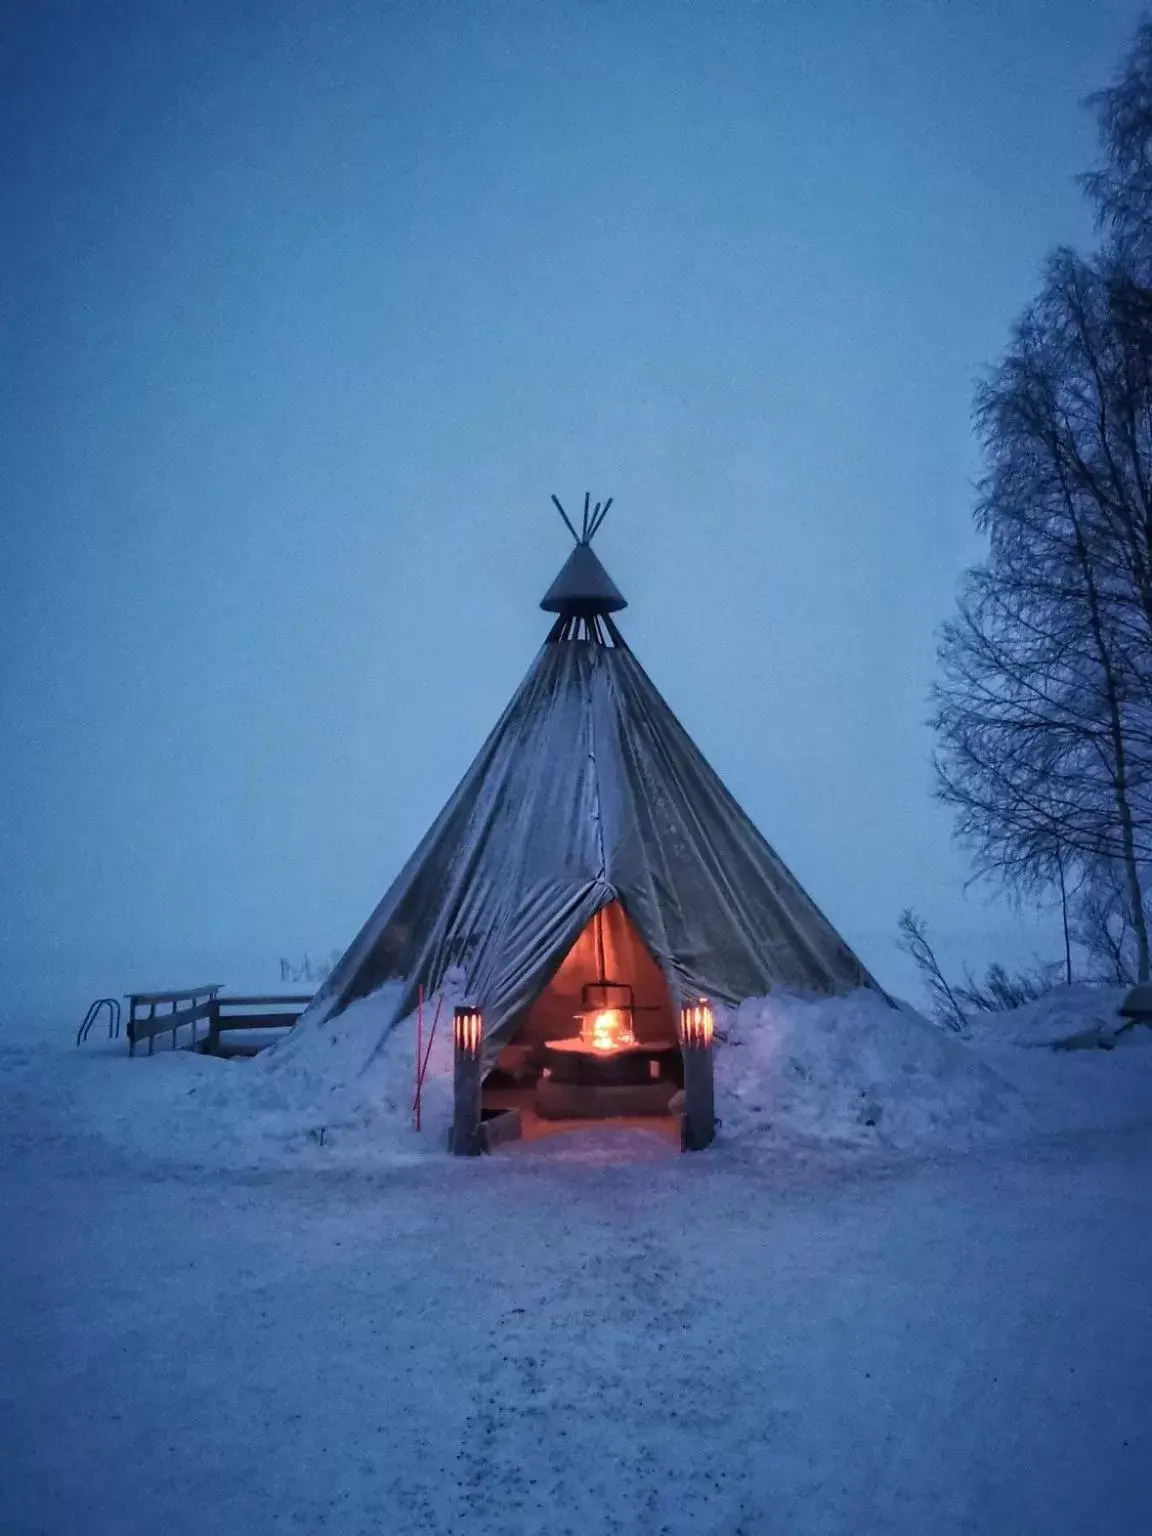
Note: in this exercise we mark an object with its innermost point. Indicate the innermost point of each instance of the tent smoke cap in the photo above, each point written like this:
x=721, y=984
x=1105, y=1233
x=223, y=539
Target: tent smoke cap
x=583, y=586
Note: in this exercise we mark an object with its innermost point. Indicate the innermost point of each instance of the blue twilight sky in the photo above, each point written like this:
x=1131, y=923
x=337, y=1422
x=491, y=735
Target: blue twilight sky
x=307, y=308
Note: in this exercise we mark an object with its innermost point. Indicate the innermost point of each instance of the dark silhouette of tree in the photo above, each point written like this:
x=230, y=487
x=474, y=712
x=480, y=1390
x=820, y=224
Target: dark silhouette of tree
x=1121, y=186
x=1044, y=708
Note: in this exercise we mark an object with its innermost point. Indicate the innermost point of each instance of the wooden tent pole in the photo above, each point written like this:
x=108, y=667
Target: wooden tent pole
x=567, y=520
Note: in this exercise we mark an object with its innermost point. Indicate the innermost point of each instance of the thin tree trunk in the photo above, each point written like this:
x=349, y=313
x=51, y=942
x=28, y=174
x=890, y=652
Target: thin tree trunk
x=1064, y=920
x=1119, y=756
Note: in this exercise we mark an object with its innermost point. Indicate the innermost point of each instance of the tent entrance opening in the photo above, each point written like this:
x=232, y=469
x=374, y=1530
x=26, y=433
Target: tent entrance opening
x=600, y=1042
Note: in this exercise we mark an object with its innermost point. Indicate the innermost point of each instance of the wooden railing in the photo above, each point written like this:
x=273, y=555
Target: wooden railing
x=276, y=1012
x=177, y=1011
x=167, y=1013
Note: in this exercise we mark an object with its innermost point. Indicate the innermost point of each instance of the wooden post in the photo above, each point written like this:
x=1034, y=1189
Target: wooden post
x=467, y=1037
x=698, y=1129
x=213, y=1042
x=131, y=1026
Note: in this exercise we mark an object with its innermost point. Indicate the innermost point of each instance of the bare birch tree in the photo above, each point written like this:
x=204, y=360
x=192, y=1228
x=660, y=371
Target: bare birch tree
x=1044, y=713
x=1121, y=186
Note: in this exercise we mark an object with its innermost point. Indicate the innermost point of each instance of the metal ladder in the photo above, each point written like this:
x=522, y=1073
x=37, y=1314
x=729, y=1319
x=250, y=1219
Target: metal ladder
x=113, y=1006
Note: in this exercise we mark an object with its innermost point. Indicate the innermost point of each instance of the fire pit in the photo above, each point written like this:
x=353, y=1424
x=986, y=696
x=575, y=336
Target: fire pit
x=604, y=1070
x=579, y=1081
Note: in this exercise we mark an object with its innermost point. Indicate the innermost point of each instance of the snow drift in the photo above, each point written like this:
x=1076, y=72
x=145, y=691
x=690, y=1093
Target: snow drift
x=358, y=1069
x=855, y=1071
x=1063, y=1014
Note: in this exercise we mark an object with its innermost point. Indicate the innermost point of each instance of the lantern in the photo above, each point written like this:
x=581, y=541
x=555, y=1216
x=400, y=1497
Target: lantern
x=467, y=1035
x=698, y=1127
x=467, y=1030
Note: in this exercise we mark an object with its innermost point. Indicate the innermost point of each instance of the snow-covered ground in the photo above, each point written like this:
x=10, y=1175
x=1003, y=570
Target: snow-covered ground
x=212, y=1317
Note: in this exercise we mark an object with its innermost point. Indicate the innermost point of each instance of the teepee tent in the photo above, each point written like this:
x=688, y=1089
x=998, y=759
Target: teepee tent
x=589, y=819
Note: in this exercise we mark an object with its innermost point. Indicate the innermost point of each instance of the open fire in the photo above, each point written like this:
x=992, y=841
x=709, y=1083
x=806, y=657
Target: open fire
x=607, y=1030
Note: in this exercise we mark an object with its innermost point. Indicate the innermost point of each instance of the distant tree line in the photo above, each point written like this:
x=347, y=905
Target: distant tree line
x=308, y=970
x=1043, y=712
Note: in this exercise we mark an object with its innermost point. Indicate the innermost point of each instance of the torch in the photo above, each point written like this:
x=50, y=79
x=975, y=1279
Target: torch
x=467, y=1036
x=698, y=1128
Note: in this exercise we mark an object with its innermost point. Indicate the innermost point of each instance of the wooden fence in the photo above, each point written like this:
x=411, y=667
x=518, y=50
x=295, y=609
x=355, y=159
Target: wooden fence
x=166, y=1013
x=159, y=1013
x=274, y=1012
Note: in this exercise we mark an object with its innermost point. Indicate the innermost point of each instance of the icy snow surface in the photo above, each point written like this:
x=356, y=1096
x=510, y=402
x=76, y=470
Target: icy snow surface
x=243, y=1297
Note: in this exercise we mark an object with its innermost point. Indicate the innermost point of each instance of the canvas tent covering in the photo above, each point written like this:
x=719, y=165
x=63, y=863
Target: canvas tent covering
x=589, y=795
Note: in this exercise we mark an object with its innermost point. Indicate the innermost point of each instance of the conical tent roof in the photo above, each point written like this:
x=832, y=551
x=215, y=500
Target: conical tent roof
x=589, y=791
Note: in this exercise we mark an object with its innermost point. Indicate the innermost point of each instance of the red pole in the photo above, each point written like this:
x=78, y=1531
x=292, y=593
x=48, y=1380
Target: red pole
x=419, y=1054
x=423, y=1059
x=431, y=1037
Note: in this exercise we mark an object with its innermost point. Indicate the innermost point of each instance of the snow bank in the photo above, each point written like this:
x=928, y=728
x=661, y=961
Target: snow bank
x=1068, y=1090
x=854, y=1071
x=340, y=1091
x=355, y=1074
x=1059, y=1015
